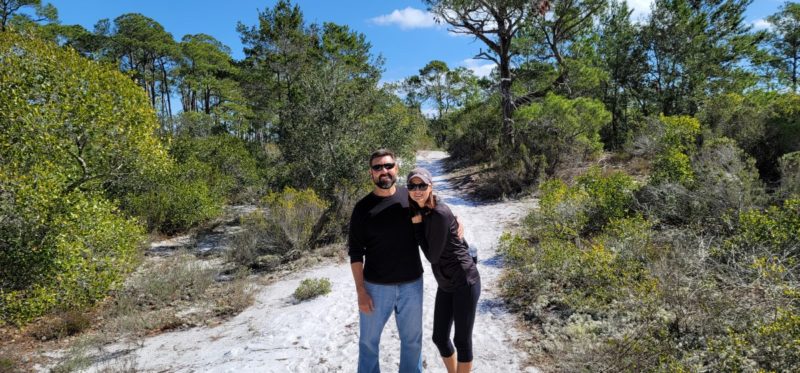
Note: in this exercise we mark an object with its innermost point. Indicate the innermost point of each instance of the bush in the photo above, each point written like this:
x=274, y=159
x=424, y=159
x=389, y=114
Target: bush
x=672, y=166
x=233, y=174
x=564, y=130
x=475, y=134
x=312, y=288
x=790, y=174
x=563, y=211
x=176, y=199
x=281, y=231
x=62, y=252
x=742, y=118
x=567, y=212
x=775, y=228
x=726, y=181
x=665, y=134
x=75, y=135
x=611, y=195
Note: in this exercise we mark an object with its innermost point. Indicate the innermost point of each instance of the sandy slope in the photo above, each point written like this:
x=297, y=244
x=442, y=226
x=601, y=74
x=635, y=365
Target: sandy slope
x=321, y=335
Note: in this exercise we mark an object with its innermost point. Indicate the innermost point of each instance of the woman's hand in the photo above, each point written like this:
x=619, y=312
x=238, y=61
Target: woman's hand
x=416, y=219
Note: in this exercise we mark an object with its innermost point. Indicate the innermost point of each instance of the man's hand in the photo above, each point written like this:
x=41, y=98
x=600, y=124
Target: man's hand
x=365, y=301
x=460, y=229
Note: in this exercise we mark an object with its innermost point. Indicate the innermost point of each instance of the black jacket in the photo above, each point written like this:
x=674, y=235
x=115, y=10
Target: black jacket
x=451, y=263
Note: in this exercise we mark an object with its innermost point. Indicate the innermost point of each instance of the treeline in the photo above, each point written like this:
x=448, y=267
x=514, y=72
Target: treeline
x=680, y=252
x=686, y=58
x=94, y=152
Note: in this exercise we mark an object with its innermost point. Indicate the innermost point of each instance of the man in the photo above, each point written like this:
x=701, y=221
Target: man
x=387, y=270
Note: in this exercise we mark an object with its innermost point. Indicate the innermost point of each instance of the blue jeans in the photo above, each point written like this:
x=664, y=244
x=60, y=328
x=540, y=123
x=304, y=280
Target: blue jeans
x=406, y=302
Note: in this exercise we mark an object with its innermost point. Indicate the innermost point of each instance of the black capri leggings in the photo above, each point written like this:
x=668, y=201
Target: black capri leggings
x=457, y=307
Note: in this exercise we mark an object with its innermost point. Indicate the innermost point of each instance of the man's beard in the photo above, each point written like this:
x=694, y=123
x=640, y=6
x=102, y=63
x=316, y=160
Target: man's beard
x=385, y=182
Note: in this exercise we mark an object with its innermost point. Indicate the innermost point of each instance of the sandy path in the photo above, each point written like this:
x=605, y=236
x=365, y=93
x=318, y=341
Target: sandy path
x=321, y=335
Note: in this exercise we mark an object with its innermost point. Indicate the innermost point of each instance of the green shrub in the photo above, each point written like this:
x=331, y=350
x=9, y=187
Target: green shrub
x=312, y=288
x=742, y=118
x=281, y=231
x=178, y=198
x=672, y=166
x=76, y=135
x=665, y=134
x=680, y=133
x=475, y=136
x=563, y=130
x=568, y=211
x=726, y=181
x=790, y=174
x=233, y=173
x=64, y=251
x=775, y=228
x=611, y=195
x=563, y=211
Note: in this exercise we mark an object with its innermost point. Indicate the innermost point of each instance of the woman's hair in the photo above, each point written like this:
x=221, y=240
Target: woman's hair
x=430, y=204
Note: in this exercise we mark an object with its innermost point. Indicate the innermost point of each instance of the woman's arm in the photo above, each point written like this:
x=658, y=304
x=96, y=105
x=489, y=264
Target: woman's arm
x=419, y=233
x=436, y=234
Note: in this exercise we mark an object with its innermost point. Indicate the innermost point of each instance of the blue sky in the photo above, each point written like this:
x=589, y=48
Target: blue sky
x=400, y=30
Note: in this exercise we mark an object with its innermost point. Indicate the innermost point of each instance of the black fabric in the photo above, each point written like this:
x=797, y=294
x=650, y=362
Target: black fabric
x=382, y=236
x=451, y=263
x=457, y=308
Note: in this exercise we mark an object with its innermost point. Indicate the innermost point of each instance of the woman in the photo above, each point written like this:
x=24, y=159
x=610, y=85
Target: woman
x=453, y=267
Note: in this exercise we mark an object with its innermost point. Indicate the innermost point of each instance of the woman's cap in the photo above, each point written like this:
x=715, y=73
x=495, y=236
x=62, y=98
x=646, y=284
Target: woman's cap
x=421, y=173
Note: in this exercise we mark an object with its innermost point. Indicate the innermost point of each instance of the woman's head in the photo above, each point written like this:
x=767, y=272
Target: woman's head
x=420, y=188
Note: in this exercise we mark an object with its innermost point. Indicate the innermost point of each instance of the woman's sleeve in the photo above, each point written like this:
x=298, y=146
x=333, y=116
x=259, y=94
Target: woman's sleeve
x=419, y=234
x=436, y=234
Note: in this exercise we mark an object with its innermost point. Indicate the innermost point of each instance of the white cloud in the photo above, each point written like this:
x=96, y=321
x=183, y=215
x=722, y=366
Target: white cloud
x=408, y=18
x=481, y=68
x=761, y=24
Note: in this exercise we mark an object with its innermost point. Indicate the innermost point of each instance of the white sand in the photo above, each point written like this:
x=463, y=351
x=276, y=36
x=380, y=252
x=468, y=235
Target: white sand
x=321, y=335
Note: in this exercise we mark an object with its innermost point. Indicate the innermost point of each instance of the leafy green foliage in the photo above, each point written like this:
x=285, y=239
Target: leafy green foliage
x=790, y=174
x=475, y=133
x=715, y=41
x=563, y=130
x=61, y=250
x=785, y=40
x=726, y=180
x=233, y=171
x=312, y=288
x=74, y=134
x=177, y=198
x=282, y=231
x=775, y=228
x=567, y=212
x=672, y=166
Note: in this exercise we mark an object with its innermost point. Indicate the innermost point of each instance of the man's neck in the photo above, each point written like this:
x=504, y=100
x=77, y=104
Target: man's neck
x=380, y=192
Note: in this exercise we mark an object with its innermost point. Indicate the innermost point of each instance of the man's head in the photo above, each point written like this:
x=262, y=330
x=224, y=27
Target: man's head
x=383, y=168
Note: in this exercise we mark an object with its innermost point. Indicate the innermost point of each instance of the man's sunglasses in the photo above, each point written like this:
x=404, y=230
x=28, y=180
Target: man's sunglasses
x=421, y=187
x=378, y=167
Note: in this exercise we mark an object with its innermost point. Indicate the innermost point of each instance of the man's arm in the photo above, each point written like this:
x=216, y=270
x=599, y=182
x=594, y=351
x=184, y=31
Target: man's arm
x=356, y=252
x=364, y=300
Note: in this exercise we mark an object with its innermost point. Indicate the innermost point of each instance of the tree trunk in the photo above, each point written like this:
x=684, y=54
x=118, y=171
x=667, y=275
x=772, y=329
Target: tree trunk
x=506, y=100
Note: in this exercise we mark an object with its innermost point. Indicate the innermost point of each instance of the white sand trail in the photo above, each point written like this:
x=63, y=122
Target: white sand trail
x=321, y=335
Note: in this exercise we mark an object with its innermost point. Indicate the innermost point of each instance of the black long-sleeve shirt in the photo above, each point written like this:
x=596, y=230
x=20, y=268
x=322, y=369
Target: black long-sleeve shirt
x=382, y=236
x=451, y=262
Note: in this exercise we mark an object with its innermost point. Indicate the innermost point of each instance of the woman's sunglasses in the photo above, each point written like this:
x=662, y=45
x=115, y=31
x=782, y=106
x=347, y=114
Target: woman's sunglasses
x=378, y=167
x=421, y=187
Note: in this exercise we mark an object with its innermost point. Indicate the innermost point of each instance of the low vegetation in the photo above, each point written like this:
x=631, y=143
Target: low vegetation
x=312, y=288
x=675, y=274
